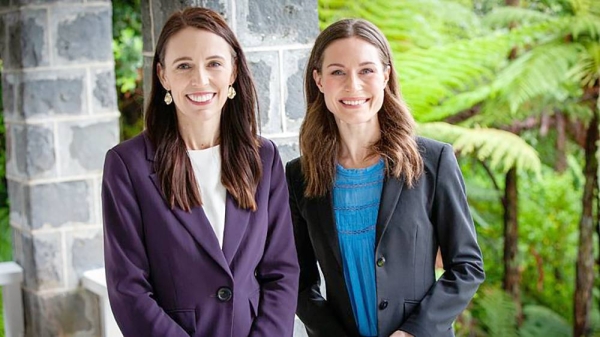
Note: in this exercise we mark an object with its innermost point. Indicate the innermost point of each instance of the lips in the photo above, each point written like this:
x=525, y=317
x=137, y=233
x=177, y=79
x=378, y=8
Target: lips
x=354, y=101
x=201, y=98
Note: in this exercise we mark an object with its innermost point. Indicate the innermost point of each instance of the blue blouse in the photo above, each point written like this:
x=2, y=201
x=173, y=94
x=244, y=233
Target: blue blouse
x=356, y=198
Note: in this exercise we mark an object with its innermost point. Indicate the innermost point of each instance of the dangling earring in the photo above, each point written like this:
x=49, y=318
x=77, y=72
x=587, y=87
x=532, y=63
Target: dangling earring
x=231, y=92
x=168, y=98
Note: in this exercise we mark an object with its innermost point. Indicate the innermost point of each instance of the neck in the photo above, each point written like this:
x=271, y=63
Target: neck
x=199, y=135
x=355, y=144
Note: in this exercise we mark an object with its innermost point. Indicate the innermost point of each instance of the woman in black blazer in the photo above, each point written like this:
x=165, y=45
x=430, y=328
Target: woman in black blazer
x=372, y=203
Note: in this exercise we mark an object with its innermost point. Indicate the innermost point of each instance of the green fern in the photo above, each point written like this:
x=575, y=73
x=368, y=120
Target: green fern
x=498, y=313
x=543, y=322
x=502, y=149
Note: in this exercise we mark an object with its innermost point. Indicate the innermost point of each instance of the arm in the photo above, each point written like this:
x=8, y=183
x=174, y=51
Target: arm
x=313, y=309
x=278, y=268
x=127, y=269
x=461, y=254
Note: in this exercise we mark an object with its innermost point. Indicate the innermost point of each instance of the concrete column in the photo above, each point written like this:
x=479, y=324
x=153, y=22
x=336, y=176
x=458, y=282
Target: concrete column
x=276, y=36
x=61, y=116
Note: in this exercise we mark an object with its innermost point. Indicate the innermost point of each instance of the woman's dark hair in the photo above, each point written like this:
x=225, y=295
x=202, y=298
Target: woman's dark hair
x=241, y=166
x=319, y=136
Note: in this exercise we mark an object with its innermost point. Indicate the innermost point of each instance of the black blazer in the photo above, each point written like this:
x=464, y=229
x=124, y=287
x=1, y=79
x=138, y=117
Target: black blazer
x=412, y=223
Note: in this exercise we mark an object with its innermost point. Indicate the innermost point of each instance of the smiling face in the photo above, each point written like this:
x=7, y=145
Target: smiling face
x=352, y=80
x=198, y=69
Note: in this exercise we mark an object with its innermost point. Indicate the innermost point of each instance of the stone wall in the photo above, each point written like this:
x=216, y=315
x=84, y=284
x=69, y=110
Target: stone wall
x=276, y=37
x=61, y=116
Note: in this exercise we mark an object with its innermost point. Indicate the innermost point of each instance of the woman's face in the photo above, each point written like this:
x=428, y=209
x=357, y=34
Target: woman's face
x=198, y=69
x=352, y=80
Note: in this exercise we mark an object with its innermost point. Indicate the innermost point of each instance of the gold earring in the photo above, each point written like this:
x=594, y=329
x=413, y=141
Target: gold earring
x=231, y=92
x=168, y=98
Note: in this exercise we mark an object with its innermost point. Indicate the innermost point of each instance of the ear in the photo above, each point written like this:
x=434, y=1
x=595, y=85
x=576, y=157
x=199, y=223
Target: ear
x=233, y=74
x=161, y=76
x=317, y=77
x=386, y=73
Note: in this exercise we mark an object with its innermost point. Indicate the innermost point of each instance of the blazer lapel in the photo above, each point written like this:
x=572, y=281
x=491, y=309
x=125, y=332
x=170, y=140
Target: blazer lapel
x=325, y=211
x=392, y=188
x=195, y=222
x=236, y=222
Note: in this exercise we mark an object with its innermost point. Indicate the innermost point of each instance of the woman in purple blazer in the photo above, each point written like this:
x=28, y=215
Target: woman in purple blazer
x=198, y=233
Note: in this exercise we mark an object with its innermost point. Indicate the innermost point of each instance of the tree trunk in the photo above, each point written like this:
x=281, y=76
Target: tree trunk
x=512, y=275
x=585, y=255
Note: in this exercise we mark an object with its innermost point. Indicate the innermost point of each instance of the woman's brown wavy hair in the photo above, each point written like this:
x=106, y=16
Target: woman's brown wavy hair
x=241, y=166
x=319, y=136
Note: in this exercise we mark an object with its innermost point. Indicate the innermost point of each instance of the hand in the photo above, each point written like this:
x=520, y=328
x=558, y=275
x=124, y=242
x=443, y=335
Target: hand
x=399, y=333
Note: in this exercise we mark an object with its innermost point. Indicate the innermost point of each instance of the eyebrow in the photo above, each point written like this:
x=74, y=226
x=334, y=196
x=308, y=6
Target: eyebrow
x=342, y=66
x=187, y=58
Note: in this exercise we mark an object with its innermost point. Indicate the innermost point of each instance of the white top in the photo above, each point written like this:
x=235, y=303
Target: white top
x=207, y=169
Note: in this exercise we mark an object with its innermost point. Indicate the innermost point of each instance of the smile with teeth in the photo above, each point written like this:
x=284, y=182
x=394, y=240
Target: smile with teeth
x=202, y=98
x=354, y=101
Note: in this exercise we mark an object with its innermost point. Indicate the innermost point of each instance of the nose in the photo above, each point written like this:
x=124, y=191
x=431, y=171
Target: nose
x=353, y=82
x=200, y=77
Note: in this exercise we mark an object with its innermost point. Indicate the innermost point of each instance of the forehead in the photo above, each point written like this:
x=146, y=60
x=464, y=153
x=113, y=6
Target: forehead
x=193, y=42
x=352, y=50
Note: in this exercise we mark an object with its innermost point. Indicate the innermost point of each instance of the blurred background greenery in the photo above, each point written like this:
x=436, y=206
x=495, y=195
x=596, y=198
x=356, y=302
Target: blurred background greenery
x=513, y=85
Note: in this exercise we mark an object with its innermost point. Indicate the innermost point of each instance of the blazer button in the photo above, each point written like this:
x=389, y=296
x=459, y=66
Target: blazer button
x=380, y=261
x=383, y=304
x=224, y=294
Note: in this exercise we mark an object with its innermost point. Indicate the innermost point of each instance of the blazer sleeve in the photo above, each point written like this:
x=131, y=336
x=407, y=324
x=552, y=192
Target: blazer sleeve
x=461, y=255
x=313, y=309
x=127, y=268
x=278, y=269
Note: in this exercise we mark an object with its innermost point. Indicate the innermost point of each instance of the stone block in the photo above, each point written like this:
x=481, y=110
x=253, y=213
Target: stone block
x=104, y=90
x=147, y=85
x=17, y=203
x=262, y=23
x=265, y=71
x=51, y=93
x=42, y=261
x=8, y=95
x=32, y=150
x=73, y=313
x=82, y=34
x=83, y=144
x=27, y=45
x=294, y=65
x=84, y=252
x=288, y=148
x=3, y=37
x=153, y=19
x=60, y=204
x=43, y=2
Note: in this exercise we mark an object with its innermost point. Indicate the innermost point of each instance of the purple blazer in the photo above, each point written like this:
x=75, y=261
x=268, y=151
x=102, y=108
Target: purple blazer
x=167, y=275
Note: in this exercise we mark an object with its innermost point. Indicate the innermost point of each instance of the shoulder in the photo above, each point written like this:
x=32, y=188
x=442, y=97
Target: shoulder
x=431, y=150
x=133, y=149
x=294, y=168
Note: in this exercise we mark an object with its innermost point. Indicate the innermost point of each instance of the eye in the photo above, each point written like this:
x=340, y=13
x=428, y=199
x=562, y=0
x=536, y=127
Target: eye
x=367, y=71
x=337, y=72
x=184, y=66
x=214, y=64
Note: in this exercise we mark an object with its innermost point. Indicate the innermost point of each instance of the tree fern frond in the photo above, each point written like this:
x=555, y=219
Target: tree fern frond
x=586, y=26
x=502, y=149
x=455, y=104
x=504, y=17
x=587, y=69
x=498, y=313
x=541, y=321
x=539, y=72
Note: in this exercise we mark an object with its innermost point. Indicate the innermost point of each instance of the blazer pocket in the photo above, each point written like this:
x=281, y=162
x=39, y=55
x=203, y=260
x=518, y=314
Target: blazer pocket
x=409, y=307
x=254, y=300
x=185, y=318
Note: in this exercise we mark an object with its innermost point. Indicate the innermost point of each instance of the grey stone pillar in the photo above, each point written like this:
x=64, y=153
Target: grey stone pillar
x=276, y=36
x=61, y=116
